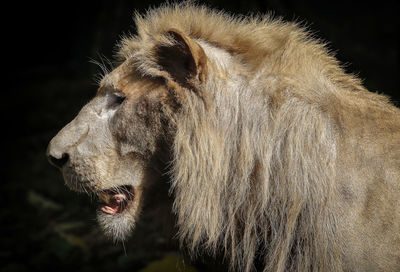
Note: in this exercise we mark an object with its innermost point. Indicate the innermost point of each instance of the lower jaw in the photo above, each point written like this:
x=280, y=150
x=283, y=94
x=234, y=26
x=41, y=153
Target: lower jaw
x=117, y=227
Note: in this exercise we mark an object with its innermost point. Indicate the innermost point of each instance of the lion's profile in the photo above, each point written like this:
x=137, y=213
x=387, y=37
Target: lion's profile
x=274, y=152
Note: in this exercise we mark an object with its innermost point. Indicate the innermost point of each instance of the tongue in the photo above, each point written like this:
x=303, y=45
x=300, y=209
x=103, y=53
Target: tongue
x=115, y=205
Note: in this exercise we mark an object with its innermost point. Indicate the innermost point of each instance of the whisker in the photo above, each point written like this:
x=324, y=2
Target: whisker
x=105, y=66
x=123, y=245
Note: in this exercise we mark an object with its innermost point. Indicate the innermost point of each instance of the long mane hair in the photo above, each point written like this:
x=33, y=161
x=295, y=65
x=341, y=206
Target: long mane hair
x=254, y=173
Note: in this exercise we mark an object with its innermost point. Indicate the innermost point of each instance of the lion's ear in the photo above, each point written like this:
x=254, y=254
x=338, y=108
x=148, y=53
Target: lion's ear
x=184, y=59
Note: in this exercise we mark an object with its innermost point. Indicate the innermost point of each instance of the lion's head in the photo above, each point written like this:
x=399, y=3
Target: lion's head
x=120, y=141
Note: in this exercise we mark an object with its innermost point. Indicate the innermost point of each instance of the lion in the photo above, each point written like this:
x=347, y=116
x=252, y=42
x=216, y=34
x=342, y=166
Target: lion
x=273, y=153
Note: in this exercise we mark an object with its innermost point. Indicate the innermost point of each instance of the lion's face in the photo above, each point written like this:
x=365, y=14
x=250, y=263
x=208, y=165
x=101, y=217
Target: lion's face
x=121, y=140
x=109, y=148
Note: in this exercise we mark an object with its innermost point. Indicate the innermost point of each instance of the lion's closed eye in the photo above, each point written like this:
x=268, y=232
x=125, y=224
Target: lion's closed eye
x=114, y=100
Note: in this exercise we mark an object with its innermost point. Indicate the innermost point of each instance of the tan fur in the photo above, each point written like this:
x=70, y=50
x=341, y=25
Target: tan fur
x=277, y=154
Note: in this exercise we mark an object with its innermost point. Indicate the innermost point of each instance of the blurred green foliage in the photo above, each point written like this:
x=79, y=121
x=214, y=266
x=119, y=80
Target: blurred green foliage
x=169, y=263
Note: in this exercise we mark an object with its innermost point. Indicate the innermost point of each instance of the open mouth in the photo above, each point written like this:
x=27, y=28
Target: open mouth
x=116, y=200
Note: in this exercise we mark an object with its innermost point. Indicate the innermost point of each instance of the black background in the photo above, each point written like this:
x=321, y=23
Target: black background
x=48, y=77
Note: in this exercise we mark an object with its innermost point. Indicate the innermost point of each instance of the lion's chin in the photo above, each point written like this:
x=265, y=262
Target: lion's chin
x=117, y=208
x=118, y=205
x=117, y=226
x=116, y=214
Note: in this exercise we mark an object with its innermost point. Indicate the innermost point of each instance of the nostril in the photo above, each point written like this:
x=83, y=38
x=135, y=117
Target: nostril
x=59, y=162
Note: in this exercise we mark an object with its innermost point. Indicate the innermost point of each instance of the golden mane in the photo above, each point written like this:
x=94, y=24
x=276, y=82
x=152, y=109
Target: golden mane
x=247, y=38
x=256, y=173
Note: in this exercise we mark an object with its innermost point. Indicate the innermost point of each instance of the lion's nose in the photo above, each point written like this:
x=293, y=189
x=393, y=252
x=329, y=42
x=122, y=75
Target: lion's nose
x=57, y=159
x=61, y=148
x=59, y=162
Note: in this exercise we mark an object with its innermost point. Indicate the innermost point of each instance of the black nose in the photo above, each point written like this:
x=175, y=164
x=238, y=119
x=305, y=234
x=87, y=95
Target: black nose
x=59, y=162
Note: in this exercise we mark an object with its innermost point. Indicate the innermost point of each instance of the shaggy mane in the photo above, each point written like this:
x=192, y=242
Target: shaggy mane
x=247, y=38
x=254, y=174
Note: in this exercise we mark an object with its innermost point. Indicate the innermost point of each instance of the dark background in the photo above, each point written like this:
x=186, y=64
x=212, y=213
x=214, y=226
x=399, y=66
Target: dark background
x=48, y=77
